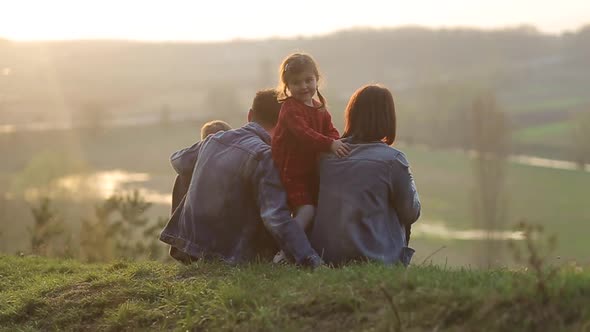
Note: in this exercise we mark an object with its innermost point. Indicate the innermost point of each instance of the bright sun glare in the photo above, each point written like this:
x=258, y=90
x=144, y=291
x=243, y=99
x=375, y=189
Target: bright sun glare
x=223, y=19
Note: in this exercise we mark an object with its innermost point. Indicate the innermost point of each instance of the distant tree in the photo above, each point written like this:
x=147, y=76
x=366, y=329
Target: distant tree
x=165, y=116
x=96, y=234
x=120, y=229
x=222, y=101
x=47, y=227
x=153, y=247
x=3, y=208
x=42, y=171
x=131, y=208
x=490, y=137
x=2, y=216
x=581, y=138
x=92, y=116
x=441, y=114
x=579, y=46
x=266, y=73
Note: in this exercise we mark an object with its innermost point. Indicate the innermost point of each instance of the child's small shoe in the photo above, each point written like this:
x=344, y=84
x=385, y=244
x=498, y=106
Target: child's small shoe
x=281, y=258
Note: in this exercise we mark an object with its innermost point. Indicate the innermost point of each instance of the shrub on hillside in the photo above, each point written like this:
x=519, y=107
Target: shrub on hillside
x=47, y=230
x=120, y=229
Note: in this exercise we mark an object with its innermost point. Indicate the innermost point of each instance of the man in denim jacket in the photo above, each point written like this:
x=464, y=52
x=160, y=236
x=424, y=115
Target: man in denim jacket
x=235, y=208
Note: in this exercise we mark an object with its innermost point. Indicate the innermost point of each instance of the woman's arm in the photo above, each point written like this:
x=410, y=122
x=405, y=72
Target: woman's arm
x=405, y=199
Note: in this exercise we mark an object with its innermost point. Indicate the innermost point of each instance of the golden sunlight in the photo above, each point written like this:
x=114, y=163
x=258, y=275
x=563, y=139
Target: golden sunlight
x=224, y=20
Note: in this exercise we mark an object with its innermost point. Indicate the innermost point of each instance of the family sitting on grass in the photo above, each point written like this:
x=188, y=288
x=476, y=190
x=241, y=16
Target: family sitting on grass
x=288, y=185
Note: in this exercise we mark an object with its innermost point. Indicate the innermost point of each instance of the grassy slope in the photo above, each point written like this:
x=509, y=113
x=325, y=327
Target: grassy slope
x=43, y=294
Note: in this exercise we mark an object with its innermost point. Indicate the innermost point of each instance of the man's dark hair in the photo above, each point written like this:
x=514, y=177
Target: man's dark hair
x=265, y=108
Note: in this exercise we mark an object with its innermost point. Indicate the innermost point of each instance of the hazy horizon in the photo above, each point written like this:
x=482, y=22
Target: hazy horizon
x=263, y=19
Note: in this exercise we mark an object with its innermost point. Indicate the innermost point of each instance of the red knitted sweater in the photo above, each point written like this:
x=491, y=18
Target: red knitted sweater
x=301, y=134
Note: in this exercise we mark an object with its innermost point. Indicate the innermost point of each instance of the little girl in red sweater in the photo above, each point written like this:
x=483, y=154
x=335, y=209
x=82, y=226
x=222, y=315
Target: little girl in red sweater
x=304, y=130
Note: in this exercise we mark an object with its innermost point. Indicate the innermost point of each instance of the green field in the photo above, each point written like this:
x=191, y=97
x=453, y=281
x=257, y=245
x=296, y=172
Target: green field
x=558, y=134
x=556, y=199
x=553, y=198
x=38, y=294
x=550, y=105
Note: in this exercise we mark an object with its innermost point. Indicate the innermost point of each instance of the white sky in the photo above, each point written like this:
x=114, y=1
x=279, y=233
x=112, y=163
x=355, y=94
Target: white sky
x=223, y=19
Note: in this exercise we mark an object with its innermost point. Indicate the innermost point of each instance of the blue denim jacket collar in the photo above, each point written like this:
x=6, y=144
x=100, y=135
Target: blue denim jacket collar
x=259, y=130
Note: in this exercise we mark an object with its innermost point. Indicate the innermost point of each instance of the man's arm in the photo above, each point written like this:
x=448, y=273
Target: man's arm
x=183, y=161
x=272, y=201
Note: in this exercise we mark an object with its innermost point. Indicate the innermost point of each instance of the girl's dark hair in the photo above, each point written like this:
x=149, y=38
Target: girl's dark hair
x=370, y=115
x=294, y=64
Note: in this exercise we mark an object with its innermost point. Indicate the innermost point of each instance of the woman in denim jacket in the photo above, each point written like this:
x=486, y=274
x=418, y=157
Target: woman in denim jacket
x=368, y=200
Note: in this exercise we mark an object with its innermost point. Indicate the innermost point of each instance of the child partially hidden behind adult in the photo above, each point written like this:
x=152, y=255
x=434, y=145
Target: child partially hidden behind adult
x=181, y=183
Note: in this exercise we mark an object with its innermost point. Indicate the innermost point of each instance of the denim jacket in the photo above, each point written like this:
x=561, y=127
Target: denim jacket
x=235, y=208
x=367, y=202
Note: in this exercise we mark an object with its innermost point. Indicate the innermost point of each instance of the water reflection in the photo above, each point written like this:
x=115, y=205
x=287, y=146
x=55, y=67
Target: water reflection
x=525, y=160
x=428, y=229
x=103, y=185
x=542, y=162
x=7, y=129
x=156, y=197
x=547, y=163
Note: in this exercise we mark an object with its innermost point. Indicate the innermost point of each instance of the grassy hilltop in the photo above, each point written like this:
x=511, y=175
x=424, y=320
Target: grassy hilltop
x=44, y=294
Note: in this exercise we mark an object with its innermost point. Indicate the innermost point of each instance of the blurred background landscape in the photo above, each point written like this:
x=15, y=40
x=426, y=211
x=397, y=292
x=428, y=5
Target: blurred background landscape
x=495, y=123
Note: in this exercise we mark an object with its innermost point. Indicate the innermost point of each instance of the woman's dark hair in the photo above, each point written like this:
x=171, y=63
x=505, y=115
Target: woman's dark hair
x=295, y=64
x=370, y=115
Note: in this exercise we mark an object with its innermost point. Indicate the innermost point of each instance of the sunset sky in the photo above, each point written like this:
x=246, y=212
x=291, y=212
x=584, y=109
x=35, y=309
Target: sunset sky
x=223, y=20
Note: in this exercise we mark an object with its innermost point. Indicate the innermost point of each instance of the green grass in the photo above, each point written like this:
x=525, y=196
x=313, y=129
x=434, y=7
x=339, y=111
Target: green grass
x=38, y=294
x=553, y=134
x=550, y=105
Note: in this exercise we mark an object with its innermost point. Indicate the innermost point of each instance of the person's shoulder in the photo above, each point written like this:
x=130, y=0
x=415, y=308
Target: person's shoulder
x=325, y=113
x=400, y=157
x=289, y=107
x=388, y=153
x=224, y=136
x=245, y=138
x=258, y=147
x=186, y=151
x=317, y=104
x=289, y=102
